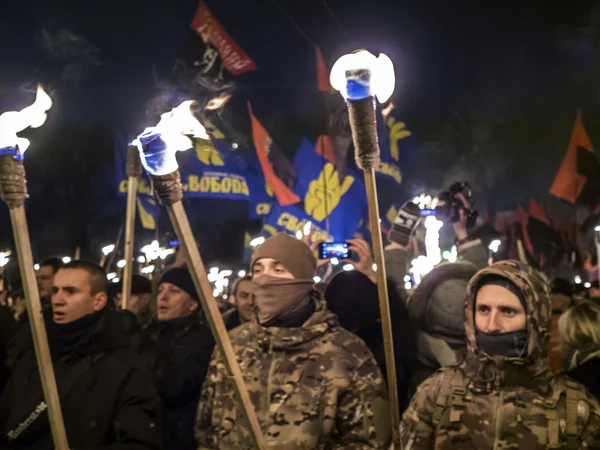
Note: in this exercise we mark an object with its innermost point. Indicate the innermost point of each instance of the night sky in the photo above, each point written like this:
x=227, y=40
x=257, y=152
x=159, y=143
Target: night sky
x=489, y=89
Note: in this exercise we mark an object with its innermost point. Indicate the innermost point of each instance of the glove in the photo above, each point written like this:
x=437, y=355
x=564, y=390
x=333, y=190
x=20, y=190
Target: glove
x=405, y=224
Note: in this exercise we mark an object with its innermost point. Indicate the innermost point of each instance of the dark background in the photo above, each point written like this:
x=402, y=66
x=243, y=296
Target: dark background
x=489, y=89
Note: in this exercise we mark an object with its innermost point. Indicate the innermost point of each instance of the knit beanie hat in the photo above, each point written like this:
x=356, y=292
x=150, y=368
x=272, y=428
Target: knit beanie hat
x=181, y=278
x=294, y=254
x=139, y=285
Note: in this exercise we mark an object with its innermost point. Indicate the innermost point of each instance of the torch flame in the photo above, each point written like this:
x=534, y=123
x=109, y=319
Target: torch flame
x=33, y=116
x=158, y=145
x=377, y=77
x=217, y=102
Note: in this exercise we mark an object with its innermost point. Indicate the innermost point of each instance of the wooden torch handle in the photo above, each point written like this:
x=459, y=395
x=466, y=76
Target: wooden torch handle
x=38, y=328
x=182, y=227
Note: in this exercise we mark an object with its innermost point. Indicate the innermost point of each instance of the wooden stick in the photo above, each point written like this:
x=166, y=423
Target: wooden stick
x=13, y=192
x=38, y=328
x=183, y=230
x=384, y=306
x=129, y=239
x=134, y=170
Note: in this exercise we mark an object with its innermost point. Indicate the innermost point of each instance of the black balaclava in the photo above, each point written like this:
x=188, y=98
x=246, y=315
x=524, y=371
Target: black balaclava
x=511, y=344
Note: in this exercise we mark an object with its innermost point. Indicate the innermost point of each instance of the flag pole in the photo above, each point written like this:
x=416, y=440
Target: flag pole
x=13, y=191
x=133, y=170
x=170, y=193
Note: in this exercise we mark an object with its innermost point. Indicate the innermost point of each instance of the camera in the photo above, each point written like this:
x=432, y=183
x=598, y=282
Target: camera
x=449, y=206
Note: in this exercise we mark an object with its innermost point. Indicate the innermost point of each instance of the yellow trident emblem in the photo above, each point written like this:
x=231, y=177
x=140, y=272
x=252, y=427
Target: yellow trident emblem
x=397, y=131
x=207, y=154
x=324, y=194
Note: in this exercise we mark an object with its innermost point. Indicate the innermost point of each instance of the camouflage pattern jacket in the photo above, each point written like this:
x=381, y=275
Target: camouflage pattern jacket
x=314, y=387
x=503, y=403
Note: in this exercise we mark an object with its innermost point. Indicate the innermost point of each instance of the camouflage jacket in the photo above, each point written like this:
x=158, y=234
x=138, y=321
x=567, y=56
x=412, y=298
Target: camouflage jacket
x=503, y=403
x=314, y=387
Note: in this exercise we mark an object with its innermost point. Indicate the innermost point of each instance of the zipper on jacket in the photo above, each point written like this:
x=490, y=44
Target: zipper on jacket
x=270, y=376
x=499, y=416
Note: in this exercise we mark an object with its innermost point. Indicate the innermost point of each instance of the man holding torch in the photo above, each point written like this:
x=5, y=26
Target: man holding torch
x=313, y=384
x=107, y=397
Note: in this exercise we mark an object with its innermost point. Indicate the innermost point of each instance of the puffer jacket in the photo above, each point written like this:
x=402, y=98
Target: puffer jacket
x=313, y=387
x=499, y=402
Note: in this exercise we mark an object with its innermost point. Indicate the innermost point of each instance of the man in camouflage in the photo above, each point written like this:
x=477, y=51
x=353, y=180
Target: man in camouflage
x=313, y=384
x=503, y=396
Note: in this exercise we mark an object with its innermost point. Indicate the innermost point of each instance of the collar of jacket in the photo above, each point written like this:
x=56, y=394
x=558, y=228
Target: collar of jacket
x=533, y=369
x=287, y=338
x=180, y=326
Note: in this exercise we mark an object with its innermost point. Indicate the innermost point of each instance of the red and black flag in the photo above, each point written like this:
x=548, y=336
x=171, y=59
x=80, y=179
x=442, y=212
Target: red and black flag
x=279, y=172
x=578, y=179
x=210, y=57
x=323, y=83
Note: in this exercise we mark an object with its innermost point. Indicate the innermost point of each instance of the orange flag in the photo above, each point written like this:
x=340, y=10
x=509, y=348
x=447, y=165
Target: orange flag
x=323, y=83
x=536, y=212
x=523, y=218
x=263, y=145
x=324, y=148
x=569, y=183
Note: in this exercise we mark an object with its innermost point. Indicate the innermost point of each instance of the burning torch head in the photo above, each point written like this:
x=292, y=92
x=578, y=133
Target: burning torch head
x=13, y=122
x=158, y=145
x=361, y=75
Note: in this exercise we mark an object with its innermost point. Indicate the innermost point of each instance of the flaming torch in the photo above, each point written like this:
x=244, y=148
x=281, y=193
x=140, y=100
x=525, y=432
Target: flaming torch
x=157, y=147
x=13, y=191
x=133, y=170
x=360, y=77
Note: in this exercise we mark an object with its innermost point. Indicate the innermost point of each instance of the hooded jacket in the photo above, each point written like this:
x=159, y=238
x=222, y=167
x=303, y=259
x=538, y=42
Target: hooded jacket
x=495, y=402
x=108, y=399
x=313, y=387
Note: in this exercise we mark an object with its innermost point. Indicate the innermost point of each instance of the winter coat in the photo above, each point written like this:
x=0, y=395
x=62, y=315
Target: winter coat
x=8, y=328
x=437, y=306
x=108, y=399
x=313, y=387
x=499, y=402
x=178, y=353
x=588, y=373
x=353, y=298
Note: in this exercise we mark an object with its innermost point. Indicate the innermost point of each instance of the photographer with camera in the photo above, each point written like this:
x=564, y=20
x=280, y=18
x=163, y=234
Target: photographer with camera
x=437, y=304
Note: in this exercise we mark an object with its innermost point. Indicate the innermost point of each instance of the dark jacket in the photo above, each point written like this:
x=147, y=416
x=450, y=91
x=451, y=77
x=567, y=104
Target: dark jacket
x=8, y=327
x=232, y=319
x=107, y=396
x=179, y=353
x=353, y=298
x=588, y=374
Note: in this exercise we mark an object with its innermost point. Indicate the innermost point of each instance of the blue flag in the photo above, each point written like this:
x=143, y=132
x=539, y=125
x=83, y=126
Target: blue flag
x=333, y=203
x=392, y=134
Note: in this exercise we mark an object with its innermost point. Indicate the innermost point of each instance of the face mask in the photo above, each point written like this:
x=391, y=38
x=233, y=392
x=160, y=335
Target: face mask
x=279, y=297
x=512, y=344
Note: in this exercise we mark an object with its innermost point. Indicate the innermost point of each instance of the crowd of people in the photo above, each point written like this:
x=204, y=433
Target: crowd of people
x=487, y=356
